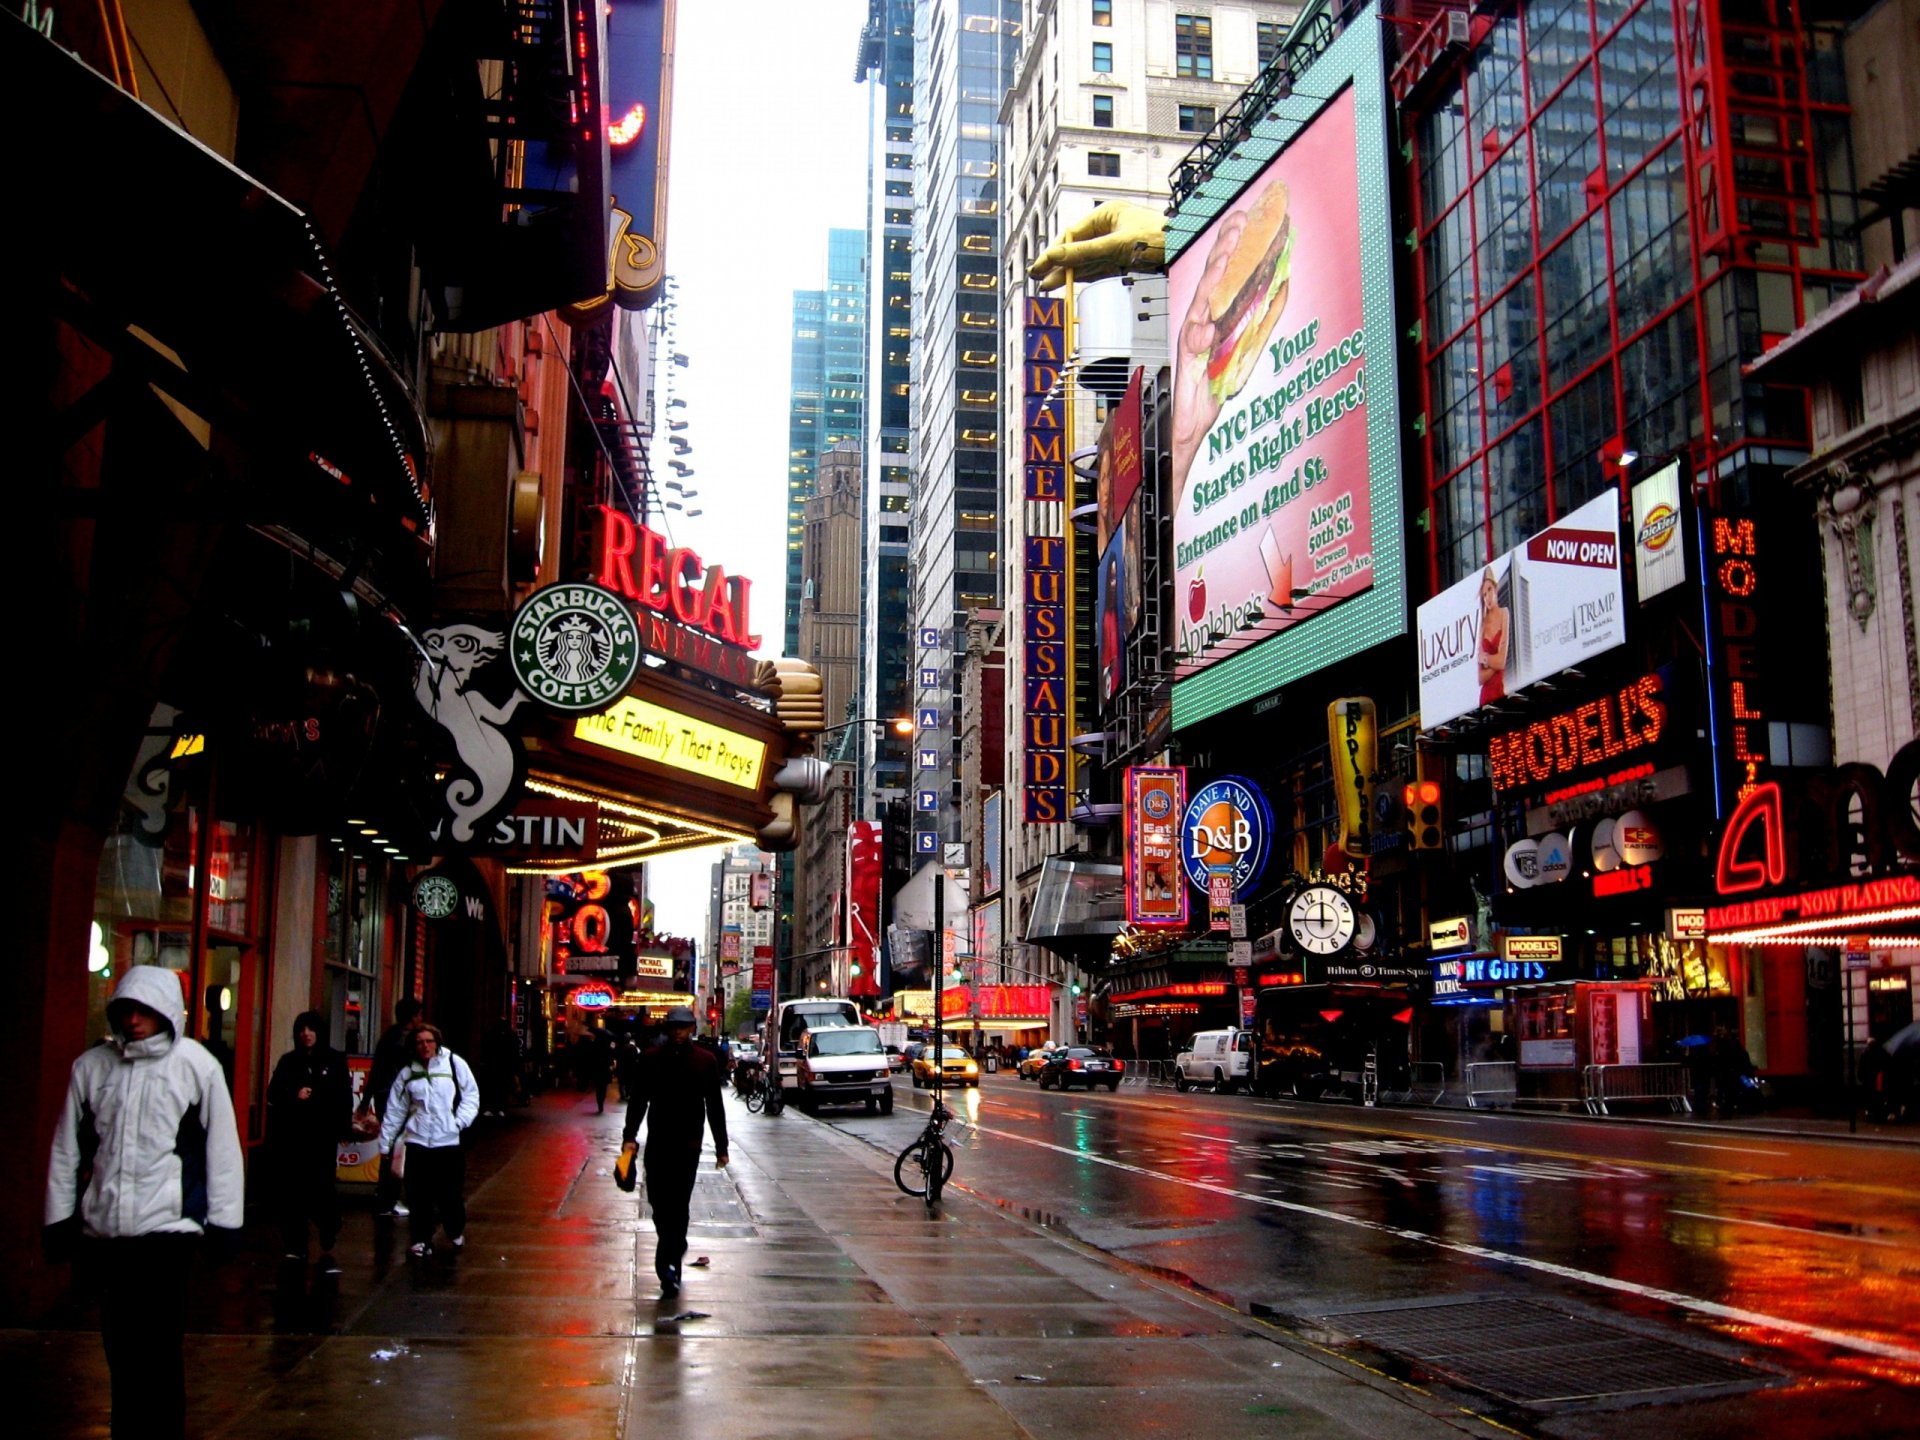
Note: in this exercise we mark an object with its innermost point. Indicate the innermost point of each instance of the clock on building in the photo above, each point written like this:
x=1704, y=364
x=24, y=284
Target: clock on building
x=1321, y=920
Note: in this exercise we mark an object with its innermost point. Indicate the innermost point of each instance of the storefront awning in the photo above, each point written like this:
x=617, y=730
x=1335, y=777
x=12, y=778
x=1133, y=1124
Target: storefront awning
x=203, y=283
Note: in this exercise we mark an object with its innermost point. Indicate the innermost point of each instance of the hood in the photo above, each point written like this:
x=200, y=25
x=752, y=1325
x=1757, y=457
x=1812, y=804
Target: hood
x=312, y=1020
x=157, y=988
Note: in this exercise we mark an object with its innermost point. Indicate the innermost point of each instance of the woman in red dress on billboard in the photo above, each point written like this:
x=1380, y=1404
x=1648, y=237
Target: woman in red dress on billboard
x=1494, y=635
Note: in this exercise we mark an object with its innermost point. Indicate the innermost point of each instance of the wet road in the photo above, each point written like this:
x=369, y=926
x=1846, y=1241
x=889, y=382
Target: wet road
x=1802, y=1255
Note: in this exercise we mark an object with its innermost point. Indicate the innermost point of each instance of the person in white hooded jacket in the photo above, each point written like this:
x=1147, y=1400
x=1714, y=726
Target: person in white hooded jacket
x=146, y=1160
x=432, y=1101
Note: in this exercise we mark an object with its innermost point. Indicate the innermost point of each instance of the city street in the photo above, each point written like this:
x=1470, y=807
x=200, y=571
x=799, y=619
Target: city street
x=1537, y=1256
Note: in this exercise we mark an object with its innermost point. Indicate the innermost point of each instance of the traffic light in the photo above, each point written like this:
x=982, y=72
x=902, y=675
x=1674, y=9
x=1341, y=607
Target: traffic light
x=1076, y=989
x=1420, y=810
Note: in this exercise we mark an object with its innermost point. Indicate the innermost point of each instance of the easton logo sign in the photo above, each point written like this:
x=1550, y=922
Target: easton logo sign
x=1226, y=831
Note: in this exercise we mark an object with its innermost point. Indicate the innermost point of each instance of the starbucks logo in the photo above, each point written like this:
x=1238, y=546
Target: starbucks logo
x=435, y=896
x=575, y=647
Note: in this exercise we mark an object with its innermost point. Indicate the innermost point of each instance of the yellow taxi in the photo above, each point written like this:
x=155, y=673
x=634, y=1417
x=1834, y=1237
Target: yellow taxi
x=957, y=1067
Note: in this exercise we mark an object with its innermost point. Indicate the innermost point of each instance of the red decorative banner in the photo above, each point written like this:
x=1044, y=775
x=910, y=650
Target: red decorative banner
x=863, y=906
x=1156, y=884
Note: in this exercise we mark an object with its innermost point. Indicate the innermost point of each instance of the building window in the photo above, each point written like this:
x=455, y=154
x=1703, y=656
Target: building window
x=1272, y=34
x=1103, y=112
x=1103, y=162
x=1192, y=46
x=1102, y=58
x=1103, y=12
x=1196, y=118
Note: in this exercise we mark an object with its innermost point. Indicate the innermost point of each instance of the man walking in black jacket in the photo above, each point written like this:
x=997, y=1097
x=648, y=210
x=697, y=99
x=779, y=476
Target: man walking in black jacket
x=678, y=1083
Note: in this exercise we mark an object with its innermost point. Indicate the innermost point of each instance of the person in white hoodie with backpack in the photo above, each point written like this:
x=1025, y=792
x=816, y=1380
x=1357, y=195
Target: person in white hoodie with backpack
x=146, y=1160
x=433, y=1100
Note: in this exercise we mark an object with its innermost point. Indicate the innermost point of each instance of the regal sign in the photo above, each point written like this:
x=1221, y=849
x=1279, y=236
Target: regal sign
x=689, y=612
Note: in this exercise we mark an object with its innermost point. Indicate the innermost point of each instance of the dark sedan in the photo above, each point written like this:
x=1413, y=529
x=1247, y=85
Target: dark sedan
x=1081, y=1065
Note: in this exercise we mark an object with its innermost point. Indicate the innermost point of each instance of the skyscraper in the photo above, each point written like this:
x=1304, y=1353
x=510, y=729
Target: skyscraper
x=886, y=58
x=827, y=390
x=964, y=55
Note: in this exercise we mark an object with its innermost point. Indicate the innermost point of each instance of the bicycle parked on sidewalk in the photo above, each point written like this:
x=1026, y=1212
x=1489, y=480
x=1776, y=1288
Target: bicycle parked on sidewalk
x=762, y=1092
x=926, y=1165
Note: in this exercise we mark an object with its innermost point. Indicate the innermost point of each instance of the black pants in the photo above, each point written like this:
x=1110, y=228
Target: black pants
x=670, y=1195
x=436, y=1181
x=308, y=1194
x=141, y=1283
x=386, y=1189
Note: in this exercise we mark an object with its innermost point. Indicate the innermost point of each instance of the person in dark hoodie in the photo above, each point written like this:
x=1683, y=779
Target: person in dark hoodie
x=309, y=1111
x=146, y=1161
x=678, y=1083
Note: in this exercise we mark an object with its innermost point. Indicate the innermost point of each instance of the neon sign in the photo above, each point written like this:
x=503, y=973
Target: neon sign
x=1837, y=824
x=1599, y=732
x=1734, y=580
x=673, y=581
x=1226, y=832
x=1046, y=671
x=680, y=742
x=591, y=997
x=627, y=128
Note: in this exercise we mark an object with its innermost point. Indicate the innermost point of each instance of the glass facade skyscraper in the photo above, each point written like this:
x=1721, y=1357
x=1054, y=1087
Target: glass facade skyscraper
x=827, y=391
x=964, y=57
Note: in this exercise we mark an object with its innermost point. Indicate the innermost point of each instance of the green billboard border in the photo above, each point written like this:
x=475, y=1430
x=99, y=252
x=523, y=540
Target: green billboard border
x=1357, y=57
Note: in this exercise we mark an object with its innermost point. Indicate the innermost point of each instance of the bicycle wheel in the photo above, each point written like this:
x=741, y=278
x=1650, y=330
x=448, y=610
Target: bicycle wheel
x=911, y=1172
x=776, y=1100
x=756, y=1100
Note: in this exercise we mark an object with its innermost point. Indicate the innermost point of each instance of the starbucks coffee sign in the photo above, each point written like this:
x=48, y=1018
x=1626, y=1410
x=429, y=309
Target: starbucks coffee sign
x=574, y=647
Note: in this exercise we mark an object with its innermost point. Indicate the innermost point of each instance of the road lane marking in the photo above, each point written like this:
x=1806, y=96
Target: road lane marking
x=1794, y=1229
x=1730, y=1149
x=1837, y=1338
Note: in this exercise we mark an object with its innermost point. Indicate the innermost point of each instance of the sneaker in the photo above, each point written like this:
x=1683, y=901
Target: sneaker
x=295, y=1256
x=669, y=1279
x=399, y=1211
x=419, y=1250
x=329, y=1265
x=459, y=1241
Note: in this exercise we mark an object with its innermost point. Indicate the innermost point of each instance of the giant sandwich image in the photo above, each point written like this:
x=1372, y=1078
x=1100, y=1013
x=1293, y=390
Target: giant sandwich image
x=1251, y=292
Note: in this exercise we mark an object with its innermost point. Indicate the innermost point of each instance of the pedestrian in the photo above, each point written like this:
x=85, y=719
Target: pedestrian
x=432, y=1103
x=146, y=1161
x=599, y=1063
x=309, y=1111
x=679, y=1083
x=625, y=1054
x=500, y=1064
x=391, y=1052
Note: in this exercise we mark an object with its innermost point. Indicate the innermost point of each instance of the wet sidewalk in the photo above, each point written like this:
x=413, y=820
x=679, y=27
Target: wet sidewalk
x=831, y=1305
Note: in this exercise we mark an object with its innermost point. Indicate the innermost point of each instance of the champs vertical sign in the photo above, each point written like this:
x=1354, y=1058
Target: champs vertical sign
x=1044, y=576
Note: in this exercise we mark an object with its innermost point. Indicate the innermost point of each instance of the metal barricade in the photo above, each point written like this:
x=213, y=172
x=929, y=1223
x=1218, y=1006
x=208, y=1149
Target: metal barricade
x=1662, y=1083
x=1429, y=1083
x=1492, y=1083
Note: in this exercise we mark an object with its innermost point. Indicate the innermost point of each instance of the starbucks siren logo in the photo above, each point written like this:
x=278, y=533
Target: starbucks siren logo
x=575, y=647
x=435, y=896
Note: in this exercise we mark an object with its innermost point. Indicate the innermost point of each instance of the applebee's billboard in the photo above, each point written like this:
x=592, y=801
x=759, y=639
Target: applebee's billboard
x=1273, y=515
x=1549, y=603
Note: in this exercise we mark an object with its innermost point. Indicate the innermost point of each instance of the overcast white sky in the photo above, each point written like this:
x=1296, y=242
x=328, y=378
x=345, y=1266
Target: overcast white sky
x=769, y=153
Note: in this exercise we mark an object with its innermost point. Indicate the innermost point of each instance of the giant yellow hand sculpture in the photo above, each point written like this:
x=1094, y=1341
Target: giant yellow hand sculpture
x=1116, y=239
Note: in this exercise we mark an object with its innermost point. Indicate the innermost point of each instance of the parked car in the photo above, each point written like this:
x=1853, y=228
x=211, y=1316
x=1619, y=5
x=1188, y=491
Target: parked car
x=1086, y=1065
x=957, y=1067
x=1222, y=1059
x=1036, y=1061
x=896, y=1058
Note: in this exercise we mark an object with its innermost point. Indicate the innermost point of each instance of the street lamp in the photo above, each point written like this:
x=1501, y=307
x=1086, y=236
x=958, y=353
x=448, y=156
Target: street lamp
x=899, y=724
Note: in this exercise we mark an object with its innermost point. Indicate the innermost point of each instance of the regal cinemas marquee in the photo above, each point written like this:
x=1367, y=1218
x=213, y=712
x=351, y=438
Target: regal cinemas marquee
x=686, y=755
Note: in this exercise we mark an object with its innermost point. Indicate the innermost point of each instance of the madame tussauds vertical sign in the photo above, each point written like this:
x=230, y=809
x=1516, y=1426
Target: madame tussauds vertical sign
x=1043, y=739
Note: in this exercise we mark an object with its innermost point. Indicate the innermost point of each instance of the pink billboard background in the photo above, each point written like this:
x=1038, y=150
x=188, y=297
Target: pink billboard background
x=1271, y=487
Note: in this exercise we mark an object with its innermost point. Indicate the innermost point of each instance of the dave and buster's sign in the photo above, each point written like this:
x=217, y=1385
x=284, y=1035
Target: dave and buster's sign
x=1227, y=831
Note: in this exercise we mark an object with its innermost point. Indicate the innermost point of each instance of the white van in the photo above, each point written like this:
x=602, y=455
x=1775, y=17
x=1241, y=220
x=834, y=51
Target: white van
x=796, y=1017
x=1222, y=1059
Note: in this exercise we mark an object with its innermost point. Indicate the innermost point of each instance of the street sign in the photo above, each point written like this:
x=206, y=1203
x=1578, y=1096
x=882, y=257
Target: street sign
x=1239, y=953
x=1237, y=921
x=1247, y=999
x=763, y=1000
x=1858, y=954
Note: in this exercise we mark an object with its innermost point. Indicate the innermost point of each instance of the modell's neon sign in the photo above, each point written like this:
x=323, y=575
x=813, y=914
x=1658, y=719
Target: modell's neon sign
x=671, y=580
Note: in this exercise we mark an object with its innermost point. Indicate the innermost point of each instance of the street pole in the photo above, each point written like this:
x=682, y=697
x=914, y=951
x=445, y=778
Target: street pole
x=939, y=969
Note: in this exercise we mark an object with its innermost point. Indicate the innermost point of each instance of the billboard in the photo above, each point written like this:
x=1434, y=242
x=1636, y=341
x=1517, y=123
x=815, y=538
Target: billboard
x=1288, y=544
x=1552, y=602
x=1156, y=801
x=1659, y=553
x=992, y=838
x=1120, y=464
x=1113, y=603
